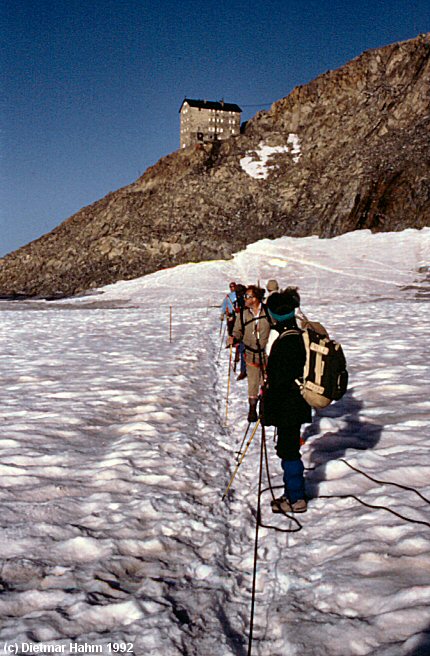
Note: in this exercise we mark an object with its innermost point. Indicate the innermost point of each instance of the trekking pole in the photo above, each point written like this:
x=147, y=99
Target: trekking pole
x=221, y=326
x=239, y=453
x=222, y=342
x=241, y=460
x=228, y=383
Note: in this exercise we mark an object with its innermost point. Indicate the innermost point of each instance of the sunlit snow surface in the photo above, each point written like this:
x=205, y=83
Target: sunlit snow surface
x=115, y=456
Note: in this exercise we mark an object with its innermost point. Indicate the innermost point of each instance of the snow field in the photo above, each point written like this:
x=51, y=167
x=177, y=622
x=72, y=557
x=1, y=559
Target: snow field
x=115, y=453
x=104, y=482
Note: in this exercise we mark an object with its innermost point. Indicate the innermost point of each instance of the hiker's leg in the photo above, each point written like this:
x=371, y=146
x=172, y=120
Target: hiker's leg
x=288, y=449
x=253, y=373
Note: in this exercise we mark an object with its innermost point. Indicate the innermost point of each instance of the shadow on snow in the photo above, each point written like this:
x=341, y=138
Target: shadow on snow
x=423, y=647
x=356, y=433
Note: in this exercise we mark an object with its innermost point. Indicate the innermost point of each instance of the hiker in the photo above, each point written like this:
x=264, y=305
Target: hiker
x=228, y=307
x=272, y=286
x=283, y=406
x=252, y=327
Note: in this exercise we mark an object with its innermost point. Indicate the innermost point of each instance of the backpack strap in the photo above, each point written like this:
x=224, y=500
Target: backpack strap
x=291, y=331
x=263, y=315
x=294, y=331
x=244, y=323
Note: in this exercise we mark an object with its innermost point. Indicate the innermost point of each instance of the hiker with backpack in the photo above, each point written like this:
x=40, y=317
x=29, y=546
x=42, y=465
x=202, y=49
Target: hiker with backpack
x=283, y=405
x=252, y=327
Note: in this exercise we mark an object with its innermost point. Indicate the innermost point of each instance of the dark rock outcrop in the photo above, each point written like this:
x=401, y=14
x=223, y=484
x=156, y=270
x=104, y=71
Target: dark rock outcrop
x=350, y=150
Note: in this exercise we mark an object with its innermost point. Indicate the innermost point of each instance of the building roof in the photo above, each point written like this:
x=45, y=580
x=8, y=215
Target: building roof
x=210, y=104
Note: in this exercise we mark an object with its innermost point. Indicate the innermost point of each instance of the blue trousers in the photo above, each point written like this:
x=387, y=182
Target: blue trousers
x=294, y=481
x=288, y=449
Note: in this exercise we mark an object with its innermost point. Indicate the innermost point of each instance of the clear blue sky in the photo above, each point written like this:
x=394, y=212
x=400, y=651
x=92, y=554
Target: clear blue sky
x=91, y=88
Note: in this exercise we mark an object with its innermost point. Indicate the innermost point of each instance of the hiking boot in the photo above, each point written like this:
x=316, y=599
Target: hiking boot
x=276, y=502
x=283, y=505
x=241, y=376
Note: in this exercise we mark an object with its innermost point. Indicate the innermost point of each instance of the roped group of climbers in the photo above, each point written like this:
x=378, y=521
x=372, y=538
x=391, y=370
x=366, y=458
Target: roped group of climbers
x=272, y=366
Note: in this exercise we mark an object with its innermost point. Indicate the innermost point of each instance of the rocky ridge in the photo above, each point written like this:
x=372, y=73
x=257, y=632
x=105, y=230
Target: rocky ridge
x=349, y=150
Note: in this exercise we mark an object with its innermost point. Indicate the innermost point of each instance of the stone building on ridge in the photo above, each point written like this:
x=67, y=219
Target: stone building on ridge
x=204, y=121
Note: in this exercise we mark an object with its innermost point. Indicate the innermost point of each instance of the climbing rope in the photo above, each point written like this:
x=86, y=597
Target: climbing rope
x=271, y=488
x=257, y=526
x=375, y=480
x=263, y=460
x=376, y=506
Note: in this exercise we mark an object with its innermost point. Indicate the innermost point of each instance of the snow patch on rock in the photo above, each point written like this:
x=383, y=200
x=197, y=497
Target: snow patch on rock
x=256, y=163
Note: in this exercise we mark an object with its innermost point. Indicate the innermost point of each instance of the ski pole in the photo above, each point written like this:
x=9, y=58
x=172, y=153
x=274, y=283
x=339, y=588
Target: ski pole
x=228, y=383
x=241, y=460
